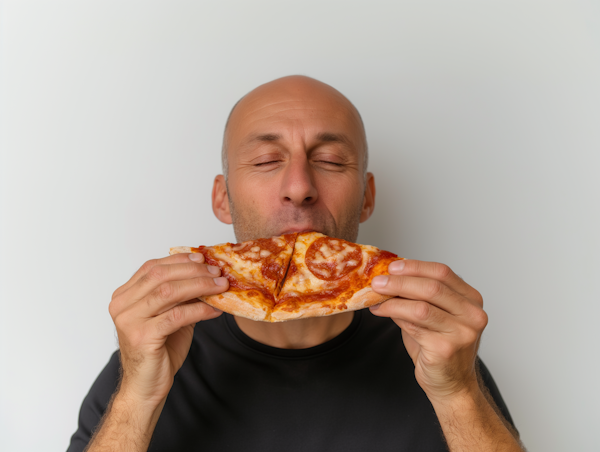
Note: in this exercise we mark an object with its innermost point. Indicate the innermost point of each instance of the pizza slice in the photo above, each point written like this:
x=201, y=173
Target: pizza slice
x=328, y=276
x=255, y=270
x=295, y=276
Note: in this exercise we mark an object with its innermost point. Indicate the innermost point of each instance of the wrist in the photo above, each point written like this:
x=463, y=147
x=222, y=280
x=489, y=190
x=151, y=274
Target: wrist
x=470, y=423
x=467, y=398
x=143, y=395
x=144, y=410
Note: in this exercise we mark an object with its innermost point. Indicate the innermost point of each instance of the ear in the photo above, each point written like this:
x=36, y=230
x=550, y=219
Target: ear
x=220, y=200
x=369, y=200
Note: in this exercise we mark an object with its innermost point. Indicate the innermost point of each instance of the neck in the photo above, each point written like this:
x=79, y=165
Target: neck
x=296, y=334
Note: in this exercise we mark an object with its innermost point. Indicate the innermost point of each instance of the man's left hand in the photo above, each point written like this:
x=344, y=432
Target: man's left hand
x=441, y=318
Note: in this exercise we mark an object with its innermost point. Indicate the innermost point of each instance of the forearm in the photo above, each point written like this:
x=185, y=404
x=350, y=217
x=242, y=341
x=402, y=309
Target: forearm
x=470, y=423
x=126, y=426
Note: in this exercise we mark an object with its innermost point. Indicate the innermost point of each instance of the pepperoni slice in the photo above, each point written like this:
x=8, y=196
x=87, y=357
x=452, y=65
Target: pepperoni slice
x=330, y=259
x=272, y=270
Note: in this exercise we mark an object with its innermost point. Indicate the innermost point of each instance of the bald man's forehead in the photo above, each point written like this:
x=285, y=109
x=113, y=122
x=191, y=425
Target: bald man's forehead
x=273, y=109
x=295, y=122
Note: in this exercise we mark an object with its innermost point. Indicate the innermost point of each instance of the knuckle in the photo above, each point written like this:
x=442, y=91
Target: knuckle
x=422, y=310
x=203, y=283
x=411, y=264
x=172, y=317
x=412, y=329
x=157, y=273
x=442, y=271
x=433, y=289
x=401, y=284
x=165, y=291
x=176, y=314
x=480, y=319
x=116, y=293
x=148, y=265
x=121, y=322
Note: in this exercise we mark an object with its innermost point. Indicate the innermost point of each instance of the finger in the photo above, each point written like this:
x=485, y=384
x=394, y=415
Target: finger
x=417, y=288
x=144, y=269
x=182, y=315
x=159, y=275
x=431, y=327
x=171, y=293
x=437, y=271
x=419, y=313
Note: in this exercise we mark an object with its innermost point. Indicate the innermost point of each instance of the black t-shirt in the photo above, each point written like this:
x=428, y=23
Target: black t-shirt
x=356, y=392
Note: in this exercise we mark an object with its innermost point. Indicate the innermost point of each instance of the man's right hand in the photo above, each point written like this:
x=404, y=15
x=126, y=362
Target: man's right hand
x=155, y=313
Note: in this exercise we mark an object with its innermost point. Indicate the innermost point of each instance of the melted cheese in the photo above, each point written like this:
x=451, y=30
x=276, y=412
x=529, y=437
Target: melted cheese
x=279, y=241
x=238, y=247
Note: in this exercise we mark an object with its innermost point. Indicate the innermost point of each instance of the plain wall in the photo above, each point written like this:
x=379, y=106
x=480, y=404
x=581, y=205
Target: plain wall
x=483, y=120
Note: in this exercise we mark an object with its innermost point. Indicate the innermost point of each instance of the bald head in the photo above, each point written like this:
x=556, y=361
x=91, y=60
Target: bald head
x=290, y=90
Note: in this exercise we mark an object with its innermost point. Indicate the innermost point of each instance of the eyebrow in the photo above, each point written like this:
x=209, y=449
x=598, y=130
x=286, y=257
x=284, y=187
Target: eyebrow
x=265, y=137
x=324, y=137
x=328, y=137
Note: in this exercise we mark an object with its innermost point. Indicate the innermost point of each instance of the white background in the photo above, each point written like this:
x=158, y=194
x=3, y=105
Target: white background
x=484, y=125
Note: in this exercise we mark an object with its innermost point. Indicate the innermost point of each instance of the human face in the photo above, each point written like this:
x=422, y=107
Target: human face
x=296, y=152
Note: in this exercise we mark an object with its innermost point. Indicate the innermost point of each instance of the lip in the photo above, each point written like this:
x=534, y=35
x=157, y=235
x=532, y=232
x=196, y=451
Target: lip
x=298, y=230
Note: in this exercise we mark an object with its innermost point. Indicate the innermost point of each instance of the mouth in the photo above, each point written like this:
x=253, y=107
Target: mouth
x=298, y=230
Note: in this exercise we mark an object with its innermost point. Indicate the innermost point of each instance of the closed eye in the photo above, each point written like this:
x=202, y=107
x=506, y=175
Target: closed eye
x=329, y=162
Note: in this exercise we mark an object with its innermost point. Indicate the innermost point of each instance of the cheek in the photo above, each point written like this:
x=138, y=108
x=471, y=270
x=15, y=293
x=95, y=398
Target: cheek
x=341, y=194
x=254, y=197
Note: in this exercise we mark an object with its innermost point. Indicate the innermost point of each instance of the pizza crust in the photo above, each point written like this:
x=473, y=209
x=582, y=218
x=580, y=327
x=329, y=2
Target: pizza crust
x=233, y=303
x=236, y=305
x=362, y=299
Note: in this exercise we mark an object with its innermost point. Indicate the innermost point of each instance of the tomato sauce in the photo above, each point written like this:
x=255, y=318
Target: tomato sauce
x=373, y=261
x=323, y=295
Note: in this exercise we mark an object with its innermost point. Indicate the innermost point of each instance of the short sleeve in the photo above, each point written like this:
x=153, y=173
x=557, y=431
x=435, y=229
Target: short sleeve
x=95, y=403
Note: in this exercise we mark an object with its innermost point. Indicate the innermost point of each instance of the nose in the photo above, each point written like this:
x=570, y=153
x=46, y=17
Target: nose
x=298, y=187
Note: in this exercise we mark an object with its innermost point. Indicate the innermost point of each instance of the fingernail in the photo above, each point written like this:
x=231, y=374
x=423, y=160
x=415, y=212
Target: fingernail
x=196, y=257
x=375, y=308
x=379, y=282
x=216, y=310
x=214, y=270
x=222, y=281
x=396, y=267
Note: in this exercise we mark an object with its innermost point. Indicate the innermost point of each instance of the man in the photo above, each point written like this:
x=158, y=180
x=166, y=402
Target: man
x=189, y=378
